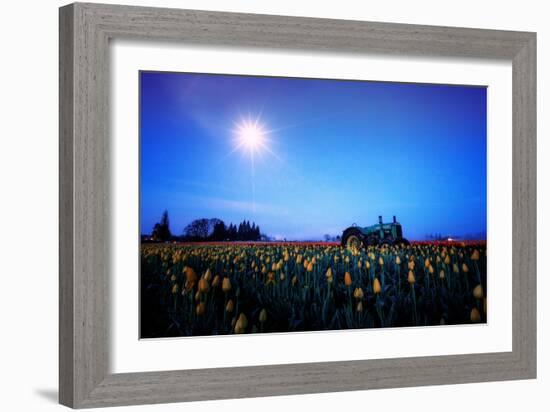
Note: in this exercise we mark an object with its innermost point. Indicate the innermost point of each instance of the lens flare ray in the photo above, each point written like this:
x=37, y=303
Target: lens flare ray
x=251, y=137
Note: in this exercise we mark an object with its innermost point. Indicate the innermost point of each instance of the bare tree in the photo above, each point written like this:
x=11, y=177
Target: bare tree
x=197, y=229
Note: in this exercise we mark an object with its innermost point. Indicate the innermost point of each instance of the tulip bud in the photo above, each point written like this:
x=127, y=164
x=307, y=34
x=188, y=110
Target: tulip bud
x=203, y=285
x=347, y=279
x=410, y=277
x=201, y=307
x=478, y=292
x=241, y=324
x=226, y=284
x=475, y=317
x=376, y=287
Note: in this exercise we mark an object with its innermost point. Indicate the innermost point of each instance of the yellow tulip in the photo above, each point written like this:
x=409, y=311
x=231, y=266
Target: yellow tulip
x=478, y=292
x=203, y=285
x=201, y=308
x=410, y=277
x=376, y=287
x=241, y=324
x=226, y=284
x=475, y=317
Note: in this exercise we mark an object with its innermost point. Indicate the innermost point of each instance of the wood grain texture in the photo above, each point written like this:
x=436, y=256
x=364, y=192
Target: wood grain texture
x=66, y=183
x=85, y=31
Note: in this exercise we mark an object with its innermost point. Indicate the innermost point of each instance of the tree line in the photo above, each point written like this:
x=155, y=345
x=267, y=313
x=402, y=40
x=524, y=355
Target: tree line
x=207, y=230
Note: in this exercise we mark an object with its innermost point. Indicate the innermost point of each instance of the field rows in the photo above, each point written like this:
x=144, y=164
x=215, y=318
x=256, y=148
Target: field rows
x=221, y=288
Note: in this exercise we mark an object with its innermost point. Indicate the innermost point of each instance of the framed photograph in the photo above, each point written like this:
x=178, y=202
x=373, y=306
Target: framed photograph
x=291, y=205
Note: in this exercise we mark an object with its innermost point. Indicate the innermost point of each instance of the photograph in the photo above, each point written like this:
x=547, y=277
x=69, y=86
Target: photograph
x=284, y=204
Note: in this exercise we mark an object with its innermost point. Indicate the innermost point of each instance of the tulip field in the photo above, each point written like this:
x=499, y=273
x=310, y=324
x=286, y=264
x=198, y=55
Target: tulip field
x=197, y=289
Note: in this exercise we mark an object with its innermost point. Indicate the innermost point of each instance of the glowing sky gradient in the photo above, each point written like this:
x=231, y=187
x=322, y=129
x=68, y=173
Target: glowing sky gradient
x=336, y=153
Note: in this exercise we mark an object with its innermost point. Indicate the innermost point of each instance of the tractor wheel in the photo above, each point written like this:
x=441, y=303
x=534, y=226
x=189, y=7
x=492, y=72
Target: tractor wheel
x=352, y=239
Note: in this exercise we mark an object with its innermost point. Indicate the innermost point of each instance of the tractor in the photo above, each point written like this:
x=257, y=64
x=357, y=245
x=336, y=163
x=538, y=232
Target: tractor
x=355, y=237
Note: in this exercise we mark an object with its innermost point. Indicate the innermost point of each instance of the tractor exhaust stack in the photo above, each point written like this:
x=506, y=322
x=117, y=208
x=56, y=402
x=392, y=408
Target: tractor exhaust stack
x=380, y=219
x=394, y=220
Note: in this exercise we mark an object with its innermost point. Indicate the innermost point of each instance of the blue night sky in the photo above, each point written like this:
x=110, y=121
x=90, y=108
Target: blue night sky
x=338, y=152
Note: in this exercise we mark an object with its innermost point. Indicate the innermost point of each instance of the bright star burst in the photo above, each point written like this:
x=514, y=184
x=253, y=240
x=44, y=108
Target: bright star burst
x=251, y=135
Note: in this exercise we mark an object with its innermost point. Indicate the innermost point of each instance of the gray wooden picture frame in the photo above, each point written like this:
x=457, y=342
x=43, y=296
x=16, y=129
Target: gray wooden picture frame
x=85, y=32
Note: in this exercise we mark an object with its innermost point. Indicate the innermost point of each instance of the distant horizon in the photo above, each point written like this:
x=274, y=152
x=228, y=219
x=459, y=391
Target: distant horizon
x=464, y=236
x=307, y=157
